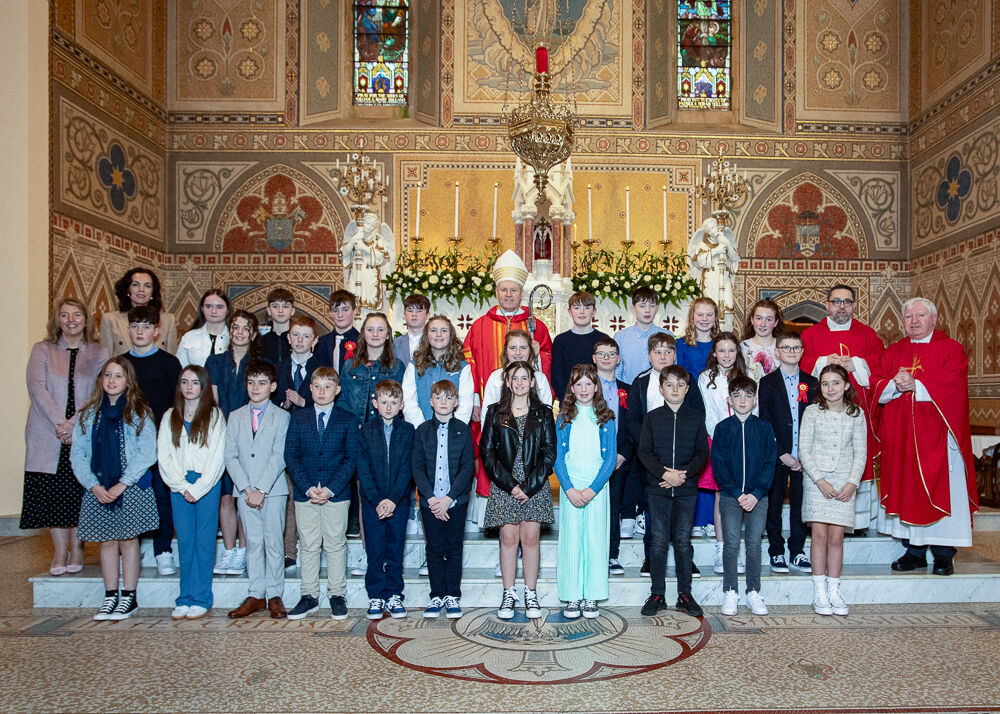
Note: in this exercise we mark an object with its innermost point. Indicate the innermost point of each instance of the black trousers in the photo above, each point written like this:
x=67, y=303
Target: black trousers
x=937, y=551
x=669, y=518
x=617, y=485
x=775, y=500
x=162, y=537
x=445, y=540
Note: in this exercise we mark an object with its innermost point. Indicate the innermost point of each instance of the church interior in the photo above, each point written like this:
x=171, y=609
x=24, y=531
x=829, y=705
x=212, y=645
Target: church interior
x=213, y=141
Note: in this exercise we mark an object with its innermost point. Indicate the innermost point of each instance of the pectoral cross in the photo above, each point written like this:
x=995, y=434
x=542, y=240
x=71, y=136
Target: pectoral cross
x=915, y=367
x=845, y=351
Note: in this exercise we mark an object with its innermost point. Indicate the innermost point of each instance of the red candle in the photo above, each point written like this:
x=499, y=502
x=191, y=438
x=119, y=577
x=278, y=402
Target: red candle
x=541, y=59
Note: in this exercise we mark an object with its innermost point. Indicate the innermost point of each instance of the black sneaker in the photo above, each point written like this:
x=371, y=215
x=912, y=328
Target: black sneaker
x=644, y=570
x=126, y=606
x=307, y=604
x=107, y=607
x=338, y=607
x=289, y=562
x=779, y=564
x=654, y=603
x=354, y=529
x=615, y=567
x=687, y=603
x=695, y=573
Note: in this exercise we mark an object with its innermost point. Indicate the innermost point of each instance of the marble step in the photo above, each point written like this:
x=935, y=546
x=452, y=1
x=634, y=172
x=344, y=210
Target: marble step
x=481, y=552
x=975, y=580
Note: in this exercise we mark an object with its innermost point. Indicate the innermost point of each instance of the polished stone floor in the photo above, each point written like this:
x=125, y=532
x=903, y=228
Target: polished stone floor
x=926, y=657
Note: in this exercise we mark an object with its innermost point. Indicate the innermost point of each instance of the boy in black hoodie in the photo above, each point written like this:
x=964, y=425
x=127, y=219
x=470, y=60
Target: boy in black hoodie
x=673, y=448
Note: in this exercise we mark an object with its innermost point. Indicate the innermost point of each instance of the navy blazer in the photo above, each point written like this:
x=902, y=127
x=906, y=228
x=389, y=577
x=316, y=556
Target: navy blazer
x=383, y=474
x=743, y=456
x=285, y=382
x=328, y=462
x=773, y=405
x=637, y=408
x=324, y=346
x=460, y=463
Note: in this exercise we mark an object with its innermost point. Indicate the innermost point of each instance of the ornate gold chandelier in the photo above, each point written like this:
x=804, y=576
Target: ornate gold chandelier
x=722, y=187
x=361, y=182
x=541, y=132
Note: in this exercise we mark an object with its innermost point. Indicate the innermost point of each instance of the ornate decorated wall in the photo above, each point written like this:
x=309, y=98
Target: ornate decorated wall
x=180, y=136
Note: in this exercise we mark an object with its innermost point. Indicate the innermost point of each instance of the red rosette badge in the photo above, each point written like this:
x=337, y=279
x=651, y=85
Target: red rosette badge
x=622, y=398
x=803, y=392
x=349, y=348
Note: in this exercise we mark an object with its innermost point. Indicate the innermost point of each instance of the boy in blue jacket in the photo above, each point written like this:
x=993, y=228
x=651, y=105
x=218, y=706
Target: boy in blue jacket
x=320, y=459
x=743, y=457
x=385, y=460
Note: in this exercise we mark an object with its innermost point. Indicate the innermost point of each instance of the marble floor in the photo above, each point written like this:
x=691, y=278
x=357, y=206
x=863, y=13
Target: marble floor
x=917, y=658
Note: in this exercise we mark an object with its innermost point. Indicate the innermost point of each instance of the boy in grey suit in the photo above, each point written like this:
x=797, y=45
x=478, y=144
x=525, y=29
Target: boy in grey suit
x=255, y=458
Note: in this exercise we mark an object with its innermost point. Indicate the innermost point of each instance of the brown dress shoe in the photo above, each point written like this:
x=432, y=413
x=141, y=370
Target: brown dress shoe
x=277, y=608
x=248, y=607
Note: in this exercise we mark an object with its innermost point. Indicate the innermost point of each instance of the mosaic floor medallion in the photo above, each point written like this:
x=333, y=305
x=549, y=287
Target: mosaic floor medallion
x=549, y=650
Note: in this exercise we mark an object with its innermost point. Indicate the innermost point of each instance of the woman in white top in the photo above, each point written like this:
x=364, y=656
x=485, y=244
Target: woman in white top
x=191, y=450
x=209, y=334
x=760, y=333
x=517, y=347
x=137, y=287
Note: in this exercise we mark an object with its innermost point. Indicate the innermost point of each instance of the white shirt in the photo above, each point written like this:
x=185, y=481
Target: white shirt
x=861, y=372
x=654, y=397
x=411, y=404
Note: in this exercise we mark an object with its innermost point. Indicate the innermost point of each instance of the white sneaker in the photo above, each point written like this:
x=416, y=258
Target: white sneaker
x=225, y=561
x=730, y=603
x=718, y=559
x=627, y=528
x=837, y=604
x=821, y=602
x=361, y=567
x=640, y=524
x=165, y=564
x=756, y=603
x=196, y=611
x=710, y=531
x=238, y=564
x=179, y=612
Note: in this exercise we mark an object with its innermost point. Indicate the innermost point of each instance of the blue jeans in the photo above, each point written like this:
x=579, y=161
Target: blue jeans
x=734, y=518
x=384, y=544
x=196, y=525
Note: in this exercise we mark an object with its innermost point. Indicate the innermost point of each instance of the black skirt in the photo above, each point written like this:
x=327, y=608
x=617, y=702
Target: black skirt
x=52, y=500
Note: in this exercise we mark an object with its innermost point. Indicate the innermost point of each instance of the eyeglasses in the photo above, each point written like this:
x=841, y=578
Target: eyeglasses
x=606, y=355
x=791, y=348
x=841, y=302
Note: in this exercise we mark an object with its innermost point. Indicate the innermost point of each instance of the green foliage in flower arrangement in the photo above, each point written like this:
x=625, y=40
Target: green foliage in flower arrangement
x=616, y=275
x=450, y=275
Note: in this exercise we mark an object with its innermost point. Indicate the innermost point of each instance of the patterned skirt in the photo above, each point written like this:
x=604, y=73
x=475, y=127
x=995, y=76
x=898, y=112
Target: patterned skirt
x=136, y=515
x=52, y=500
x=503, y=509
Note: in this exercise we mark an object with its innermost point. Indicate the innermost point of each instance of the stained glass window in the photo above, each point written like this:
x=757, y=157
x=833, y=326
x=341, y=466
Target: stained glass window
x=381, y=51
x=704, y=38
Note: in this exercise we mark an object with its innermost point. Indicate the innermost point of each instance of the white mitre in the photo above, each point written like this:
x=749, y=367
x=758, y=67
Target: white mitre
x=509, y=266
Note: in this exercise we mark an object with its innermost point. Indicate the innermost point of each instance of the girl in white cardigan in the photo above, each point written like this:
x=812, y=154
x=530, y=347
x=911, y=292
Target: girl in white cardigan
x=191, y=446
x=209, y=334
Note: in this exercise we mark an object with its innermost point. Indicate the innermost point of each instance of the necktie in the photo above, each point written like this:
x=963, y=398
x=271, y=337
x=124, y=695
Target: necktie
x=320, y=426
x=255, y=419
x=297, y=378
x=336, y=353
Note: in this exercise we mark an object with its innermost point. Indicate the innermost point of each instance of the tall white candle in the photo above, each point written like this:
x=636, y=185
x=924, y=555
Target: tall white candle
x=456, y=209
x=664, y=214
x=417, y=232
x=496, y=189
x=590, y=216
x=628, y=236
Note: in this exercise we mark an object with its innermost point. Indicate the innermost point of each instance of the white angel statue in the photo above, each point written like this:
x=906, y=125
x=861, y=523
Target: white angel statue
x=368, y=252
x=714, y=262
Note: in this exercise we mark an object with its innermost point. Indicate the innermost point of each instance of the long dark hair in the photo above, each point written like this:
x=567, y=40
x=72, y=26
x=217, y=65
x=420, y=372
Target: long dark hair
x=254, y=348
x=423, y=358
x=507, y=396
x=202, y=421
x=601, y=409
x=199, y=319
x=766, y=303
x=136, y=407
x=122, y=286
x=388, y=359
x=850, y=396
x=712, y=366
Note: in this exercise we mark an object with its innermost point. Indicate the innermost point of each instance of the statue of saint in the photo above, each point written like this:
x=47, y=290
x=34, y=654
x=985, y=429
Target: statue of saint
x=368, y=253
x=559, y=191
x=714, y=262
x=525, y=193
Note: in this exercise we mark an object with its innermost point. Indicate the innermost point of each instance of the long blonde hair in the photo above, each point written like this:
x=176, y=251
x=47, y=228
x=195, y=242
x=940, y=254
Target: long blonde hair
x=423, y=358
x=52, y=330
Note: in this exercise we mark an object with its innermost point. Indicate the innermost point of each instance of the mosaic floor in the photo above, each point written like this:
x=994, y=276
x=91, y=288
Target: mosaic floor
x=924, y=658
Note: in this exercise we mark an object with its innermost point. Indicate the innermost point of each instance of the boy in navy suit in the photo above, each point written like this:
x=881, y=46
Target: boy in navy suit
x=385, y=461
x=786, y=390
x=336, y=348
x=295, y=373
x=442, y=470
x=320, y=459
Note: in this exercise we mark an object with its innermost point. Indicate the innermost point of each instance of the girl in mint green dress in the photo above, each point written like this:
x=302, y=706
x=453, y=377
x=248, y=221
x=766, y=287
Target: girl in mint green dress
x=585, y=457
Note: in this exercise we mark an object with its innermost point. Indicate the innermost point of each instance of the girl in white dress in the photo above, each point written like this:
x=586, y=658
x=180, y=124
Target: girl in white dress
x=832, y=448
x=760, y=333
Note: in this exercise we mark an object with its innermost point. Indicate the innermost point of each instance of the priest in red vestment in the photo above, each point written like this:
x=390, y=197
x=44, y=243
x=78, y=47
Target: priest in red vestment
x=842, y=340
x=928, y=475
x=484, y=342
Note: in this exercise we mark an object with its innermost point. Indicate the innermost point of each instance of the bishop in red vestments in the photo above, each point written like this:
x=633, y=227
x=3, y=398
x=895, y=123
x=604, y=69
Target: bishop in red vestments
x=928, y=475
x=840, y=339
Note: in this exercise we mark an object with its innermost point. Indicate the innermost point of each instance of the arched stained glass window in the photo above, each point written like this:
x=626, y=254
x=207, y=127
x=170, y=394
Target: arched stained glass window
x=381, y=52
x=704, y=38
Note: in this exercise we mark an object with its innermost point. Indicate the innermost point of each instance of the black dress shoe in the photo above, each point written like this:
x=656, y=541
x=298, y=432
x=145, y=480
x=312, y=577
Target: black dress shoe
x=909, y=562
x=943, y=566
